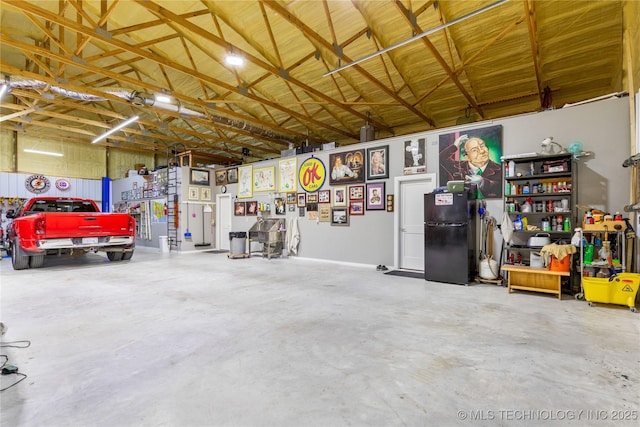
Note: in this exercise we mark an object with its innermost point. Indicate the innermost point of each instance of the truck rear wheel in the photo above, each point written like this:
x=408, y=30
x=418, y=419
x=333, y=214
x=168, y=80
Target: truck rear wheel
x=114, y=256
x=19, y=262
x=126, y=256
x=36, y=261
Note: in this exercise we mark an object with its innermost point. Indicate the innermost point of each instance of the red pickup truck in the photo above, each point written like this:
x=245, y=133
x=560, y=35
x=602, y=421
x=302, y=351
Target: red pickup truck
x=52, y=225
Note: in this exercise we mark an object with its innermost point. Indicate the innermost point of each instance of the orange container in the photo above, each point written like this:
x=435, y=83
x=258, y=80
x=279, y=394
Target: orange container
x=563, y=264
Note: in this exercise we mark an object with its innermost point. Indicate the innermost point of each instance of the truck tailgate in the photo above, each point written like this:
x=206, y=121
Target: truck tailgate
x=85, y=224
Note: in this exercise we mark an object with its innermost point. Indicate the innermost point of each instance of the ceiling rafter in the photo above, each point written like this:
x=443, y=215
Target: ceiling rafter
x=313, y=36
x=147, y=55
x=461, y=68
x=531, y=26
x=160, y=11
x=24, y=47
x=406, y=13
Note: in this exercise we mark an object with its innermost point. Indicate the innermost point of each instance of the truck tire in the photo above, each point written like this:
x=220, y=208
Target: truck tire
x=126, y=256
x=36, y=261
x=18, y=261
x=114, y=256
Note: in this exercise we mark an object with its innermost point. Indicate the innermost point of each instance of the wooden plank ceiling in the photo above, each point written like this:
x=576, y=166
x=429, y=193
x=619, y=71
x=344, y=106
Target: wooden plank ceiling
x=77, y=68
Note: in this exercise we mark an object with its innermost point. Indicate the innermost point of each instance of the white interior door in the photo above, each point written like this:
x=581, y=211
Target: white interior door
x=409, y=219
x=223, y=221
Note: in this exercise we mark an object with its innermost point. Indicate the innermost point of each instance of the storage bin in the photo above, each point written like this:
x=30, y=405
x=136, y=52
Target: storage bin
x=560, y=265
x=621, y=289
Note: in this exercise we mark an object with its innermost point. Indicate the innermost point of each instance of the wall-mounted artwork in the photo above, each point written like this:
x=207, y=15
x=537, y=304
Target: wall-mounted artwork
x=287, y=173
x=239, y=208
x=324, y=196
x=415, y=156
x=232, y=176
x=292, y=198
x=194, y=193
x=312, y=198
x=339, y=216
x=205, y=194
x=252, y=207
x=199, y=177
x=245, y=186
x=340, y=196
x=280, y=206
x=264, y=179
x=221, y=177
x=356, y=207
x=356, y=192
x=347, y=167
x=375, y=196
x=473, y=155
x=324, y=213
x=378, y=162
x=302, y=200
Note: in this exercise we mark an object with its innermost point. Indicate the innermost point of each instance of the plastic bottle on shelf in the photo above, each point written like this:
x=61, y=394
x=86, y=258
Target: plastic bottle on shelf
x=513, y=189
x=517, y=224
x=512, y=168
x=507, y=189
x=531, y=169
x=525, y=188
x=567, y=224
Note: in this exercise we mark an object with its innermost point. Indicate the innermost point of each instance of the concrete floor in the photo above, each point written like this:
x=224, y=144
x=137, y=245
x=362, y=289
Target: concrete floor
x=197, y=339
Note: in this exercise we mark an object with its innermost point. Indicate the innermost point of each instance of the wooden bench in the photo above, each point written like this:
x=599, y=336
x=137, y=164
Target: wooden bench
x=526, y=278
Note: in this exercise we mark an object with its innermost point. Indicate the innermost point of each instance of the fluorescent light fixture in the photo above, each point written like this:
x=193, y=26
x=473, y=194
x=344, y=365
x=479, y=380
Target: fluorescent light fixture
x=46, y=153
x=233, y=59
x=115, y=129
x=4, y=88
x=163, y=98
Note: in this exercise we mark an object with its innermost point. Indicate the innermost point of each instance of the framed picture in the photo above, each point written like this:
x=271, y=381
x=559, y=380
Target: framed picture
x=312, y=207
x=245, y=187
x=378, y=162
x=375, y=196
x=324, y=213
x=302, y=200
x=340, y=196
x=280, y=206
x=264, y=179
x=287, y=173
x=356, y=207
x=301, y=212
x=199, y=177
x=292, y=208
x=239, y=208
x=312, y=198
x=221, y=177
x=291, y=198
x=356, y=192
x=324, y=196
x=312, y=215
x=415, y=156
x=473, y=153
x=252, y=207
x=232, y=176
x=205, y=194
x=194, y=193
x=347, y=167
x=339, y=216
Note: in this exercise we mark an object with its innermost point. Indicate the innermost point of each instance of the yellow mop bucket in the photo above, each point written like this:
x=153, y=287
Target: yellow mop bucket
x=621, y=289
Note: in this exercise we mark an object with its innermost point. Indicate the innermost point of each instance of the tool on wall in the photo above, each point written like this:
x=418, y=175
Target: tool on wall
x=187, y=233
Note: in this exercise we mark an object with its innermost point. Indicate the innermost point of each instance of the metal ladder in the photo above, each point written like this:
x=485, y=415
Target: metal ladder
x=173, y=195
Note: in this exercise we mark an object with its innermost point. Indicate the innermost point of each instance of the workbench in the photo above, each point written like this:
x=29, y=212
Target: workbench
x=524, y=278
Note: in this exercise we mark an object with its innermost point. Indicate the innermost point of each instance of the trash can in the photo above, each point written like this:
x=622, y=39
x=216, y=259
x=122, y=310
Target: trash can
x=238, y=241
x=164, y=243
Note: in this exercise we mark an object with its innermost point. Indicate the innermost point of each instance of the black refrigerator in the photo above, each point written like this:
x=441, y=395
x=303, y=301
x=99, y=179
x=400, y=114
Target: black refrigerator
x=450, y=237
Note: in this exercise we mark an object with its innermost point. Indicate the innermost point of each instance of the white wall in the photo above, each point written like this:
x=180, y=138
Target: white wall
x=602, y=127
